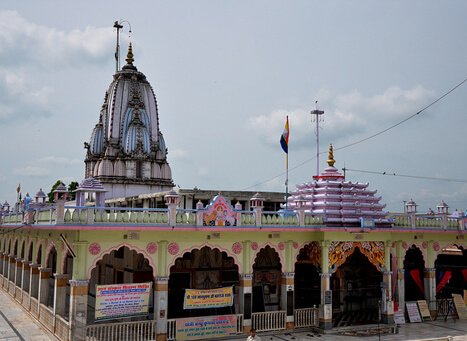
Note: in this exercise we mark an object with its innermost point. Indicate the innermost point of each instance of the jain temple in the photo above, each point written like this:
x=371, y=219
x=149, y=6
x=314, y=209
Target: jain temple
x=130, y=258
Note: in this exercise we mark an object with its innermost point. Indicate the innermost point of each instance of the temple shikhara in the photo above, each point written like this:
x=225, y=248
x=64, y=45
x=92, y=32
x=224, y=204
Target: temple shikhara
x=131, y=258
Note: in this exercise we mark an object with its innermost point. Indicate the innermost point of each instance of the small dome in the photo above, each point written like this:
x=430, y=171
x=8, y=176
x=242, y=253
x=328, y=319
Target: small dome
x=90, y=185
x=96, y=145
x=40, y=194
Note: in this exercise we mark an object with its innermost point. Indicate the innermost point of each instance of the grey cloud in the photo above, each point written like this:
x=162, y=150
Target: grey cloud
x=23, y=43
x=346, y=115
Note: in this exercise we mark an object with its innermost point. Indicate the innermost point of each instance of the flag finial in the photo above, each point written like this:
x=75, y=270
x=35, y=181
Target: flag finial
x=331, y=160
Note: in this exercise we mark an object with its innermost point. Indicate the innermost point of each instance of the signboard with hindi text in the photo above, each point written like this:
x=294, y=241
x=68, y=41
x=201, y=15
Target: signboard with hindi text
x=208, y=298
x=412, y=312
x=424, y=310
x=460, y=306
x=122, y=300
x=206, y=327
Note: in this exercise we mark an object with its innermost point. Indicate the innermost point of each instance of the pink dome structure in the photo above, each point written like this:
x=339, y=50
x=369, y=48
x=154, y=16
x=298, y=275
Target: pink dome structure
x=339, y=202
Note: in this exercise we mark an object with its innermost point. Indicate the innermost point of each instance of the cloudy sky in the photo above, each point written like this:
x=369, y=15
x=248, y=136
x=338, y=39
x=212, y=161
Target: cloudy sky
x=226, y=74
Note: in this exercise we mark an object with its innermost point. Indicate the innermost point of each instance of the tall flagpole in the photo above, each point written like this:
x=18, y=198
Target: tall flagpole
x=285, y=147
x=287, y=176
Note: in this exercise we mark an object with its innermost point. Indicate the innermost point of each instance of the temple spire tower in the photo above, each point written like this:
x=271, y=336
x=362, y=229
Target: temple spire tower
x=127, y=151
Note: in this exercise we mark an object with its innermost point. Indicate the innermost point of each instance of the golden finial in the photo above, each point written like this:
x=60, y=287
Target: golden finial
x=331, y=160
x=129, y=56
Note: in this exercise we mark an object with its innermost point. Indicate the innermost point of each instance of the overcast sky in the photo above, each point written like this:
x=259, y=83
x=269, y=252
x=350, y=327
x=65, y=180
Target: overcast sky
x=226, y=74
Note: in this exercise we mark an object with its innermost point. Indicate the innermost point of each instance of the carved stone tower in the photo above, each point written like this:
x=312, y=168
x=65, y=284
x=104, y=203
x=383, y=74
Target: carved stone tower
x=127, y=152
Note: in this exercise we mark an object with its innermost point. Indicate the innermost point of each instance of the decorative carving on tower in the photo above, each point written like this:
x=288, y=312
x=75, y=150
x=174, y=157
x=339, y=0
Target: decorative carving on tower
x=127, y=151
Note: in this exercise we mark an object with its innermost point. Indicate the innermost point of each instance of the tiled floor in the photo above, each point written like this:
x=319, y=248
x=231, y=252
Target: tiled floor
x=16, y=324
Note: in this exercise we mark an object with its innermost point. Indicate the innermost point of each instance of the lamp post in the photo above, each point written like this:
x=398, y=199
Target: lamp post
x=316, y=117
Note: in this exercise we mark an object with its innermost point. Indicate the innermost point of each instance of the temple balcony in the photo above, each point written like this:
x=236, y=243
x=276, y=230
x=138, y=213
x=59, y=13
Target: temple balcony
x=86, y=217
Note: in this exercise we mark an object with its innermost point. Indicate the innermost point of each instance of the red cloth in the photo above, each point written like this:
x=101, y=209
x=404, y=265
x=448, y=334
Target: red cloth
x=415, y=274
x=446, y=277
x=464, y=273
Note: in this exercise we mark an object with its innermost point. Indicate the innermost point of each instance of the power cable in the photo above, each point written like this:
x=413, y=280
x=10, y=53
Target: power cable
x=405, y=175
x=367, y=138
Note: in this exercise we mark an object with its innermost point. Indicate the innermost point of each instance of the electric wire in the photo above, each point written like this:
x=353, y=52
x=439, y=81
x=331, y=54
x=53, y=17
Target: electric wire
x=366, y=138
x=405, y=175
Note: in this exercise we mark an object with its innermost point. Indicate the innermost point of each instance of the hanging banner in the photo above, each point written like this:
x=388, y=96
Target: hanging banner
x=209, y=298
x=206, y=327
x=122, y=300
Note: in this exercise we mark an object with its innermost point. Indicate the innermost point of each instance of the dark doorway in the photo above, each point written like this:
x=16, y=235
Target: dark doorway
x=203, y=268
x=266, y=280
x=356, y=288
x=414, y=267
x=307, y=280
x=451, y=272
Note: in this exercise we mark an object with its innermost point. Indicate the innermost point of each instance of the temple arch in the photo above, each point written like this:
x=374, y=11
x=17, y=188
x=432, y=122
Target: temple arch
x=203, y=268
x=414, y=266
x=267, y=273
x=451, y=271
x=356, y=289
x=307, y=276
x=121, y=265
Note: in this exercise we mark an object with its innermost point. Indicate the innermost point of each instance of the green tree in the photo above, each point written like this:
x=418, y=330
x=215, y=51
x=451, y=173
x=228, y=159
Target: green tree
x=71, y=189
x=50, y=195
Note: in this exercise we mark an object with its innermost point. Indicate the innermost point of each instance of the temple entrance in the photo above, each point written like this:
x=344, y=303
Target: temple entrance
x=121, y=266
x=356, y=288
x=451, y=272
x=203, y=268
x=414, y=267
x=307, y=280
x=266, y=281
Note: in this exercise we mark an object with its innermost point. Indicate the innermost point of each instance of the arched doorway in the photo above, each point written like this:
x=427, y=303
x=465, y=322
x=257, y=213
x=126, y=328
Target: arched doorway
x=307, y=280
x=121, y=266
x=266, y=281
x=414, y=266
x=451, y=272
x=67, y=270
x=204, y=268
x=356, y=288
x=51, y=264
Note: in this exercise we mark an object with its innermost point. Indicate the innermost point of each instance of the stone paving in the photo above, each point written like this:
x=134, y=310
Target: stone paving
x=16, y=324
x=436, y=330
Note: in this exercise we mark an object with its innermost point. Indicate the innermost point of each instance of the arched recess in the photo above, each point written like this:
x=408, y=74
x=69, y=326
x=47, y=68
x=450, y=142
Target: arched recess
x=451, y=271
x=51, y=263
x=23, y=249
x=119, y=266
x=67, y=269
x=204, y=268
x=414, y=268
x=15, y=249
x=307, y=276
x=267, y=273
x=356, y=290
x=30, y=251
x=39, y=255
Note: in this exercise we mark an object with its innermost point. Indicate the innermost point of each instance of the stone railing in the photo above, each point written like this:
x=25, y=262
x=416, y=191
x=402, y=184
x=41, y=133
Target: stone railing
x=173, y=217
x=426, y=221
